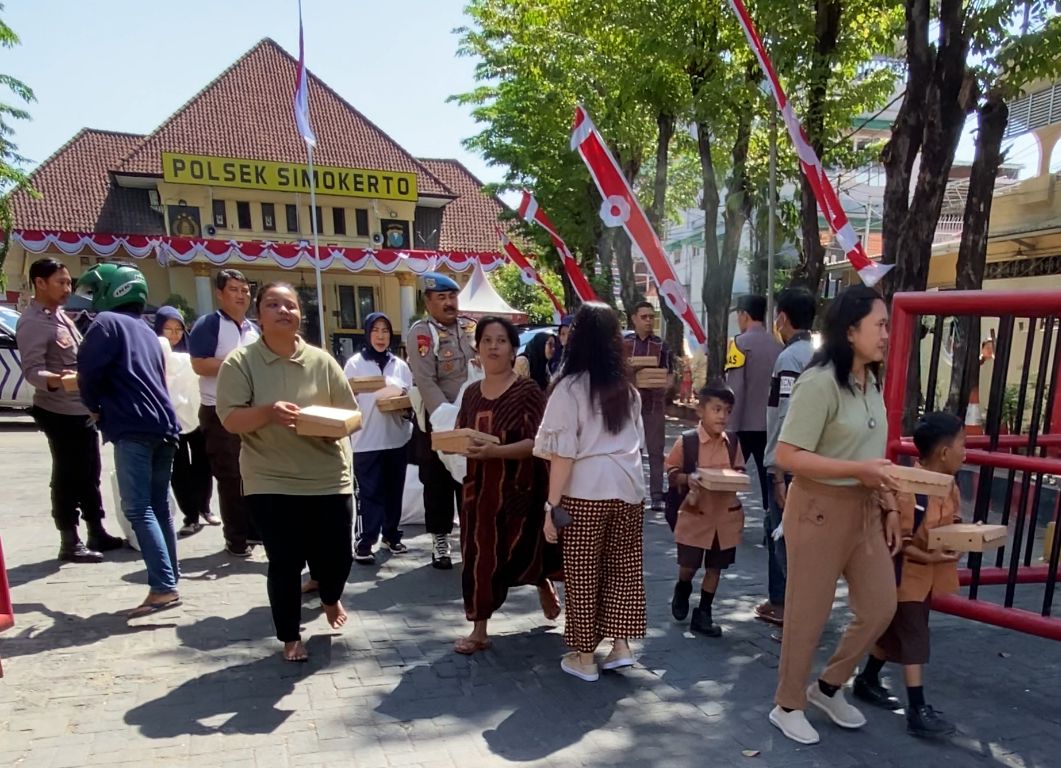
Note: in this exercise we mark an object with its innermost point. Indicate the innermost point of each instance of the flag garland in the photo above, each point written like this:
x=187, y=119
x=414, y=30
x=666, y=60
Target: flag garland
x=528, y=274
x=530, y=212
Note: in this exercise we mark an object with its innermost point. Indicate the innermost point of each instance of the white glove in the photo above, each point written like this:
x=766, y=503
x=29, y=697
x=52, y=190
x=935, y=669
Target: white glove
x=779, y=532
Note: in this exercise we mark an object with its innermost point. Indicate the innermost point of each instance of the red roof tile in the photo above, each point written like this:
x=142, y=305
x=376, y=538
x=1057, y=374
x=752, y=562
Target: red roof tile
x=246, y=112
x=468, y=223
x=78, y=194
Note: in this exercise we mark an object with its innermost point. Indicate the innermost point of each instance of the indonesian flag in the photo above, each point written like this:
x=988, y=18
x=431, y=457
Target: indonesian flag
x=621, y=209
x=870, y=271
x=301, y=101
x=529, y=211
x=529, y=275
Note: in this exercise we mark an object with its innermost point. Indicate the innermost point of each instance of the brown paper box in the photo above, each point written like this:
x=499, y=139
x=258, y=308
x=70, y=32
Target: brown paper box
x=643, y=361
x=967, y=537
x=723, y=480
x=914, y=480
x=651, y=378
x=321, y=421
x=69, y=382
x=361, y=384
x=458, y=440
x=391, y=404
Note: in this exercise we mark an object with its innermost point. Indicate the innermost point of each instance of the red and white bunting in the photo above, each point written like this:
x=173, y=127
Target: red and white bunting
x=530, y=212
x=529, y=274
x=869, y=271
x=621, y=209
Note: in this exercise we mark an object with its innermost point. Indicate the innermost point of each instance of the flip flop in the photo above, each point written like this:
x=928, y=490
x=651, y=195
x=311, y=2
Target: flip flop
x=469, y=647
x=148, y=609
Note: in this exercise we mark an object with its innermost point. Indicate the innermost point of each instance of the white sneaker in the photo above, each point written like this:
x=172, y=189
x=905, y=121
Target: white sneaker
x=794, y=725
x=836, y=707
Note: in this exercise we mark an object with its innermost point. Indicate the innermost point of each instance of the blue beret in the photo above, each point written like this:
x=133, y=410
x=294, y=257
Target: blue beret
x=436, y=281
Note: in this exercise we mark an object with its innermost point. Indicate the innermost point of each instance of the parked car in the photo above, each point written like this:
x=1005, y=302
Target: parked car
x=15, y=391
x=527, y=334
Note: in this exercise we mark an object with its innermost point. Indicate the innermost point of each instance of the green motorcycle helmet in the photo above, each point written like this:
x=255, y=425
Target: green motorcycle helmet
x=109, y=286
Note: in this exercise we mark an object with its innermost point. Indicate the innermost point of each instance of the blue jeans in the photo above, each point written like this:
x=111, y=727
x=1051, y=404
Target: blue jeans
x=777, y=570
x=144, y=464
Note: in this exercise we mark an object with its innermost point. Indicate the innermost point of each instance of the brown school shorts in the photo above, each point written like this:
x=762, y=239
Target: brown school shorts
x=695, y=557
x=906, y=639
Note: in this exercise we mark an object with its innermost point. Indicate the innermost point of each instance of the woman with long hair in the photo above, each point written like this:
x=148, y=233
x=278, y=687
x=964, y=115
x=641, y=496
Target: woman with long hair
x=299, y=489
x=591, y=433
x=534, y=362
x=503, y=500
x=840, y=517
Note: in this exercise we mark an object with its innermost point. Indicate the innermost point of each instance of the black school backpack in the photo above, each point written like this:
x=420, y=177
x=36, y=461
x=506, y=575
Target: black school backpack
x=675, y=493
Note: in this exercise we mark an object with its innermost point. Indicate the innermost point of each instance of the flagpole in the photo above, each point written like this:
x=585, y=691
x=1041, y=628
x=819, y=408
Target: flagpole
x=316, y=244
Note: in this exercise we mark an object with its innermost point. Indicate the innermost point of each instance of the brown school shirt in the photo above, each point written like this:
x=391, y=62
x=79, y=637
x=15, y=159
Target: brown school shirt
x=716, y=513
x=918, y=580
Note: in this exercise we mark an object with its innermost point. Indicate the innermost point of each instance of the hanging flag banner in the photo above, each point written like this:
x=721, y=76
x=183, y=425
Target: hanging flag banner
x=869, y=271
x=301, y=98
x=621, y=209
x=530, y=212
x=529, y=274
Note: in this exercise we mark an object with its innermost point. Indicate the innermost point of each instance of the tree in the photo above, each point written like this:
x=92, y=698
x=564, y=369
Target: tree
x=508, y=281
x=12, y=176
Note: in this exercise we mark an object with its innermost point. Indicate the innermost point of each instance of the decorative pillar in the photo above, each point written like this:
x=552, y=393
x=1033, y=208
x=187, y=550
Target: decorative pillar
x=204, y=289
x=407, y=301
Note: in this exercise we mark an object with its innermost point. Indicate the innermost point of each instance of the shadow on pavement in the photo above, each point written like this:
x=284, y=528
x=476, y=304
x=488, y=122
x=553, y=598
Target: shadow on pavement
x=69, y=630
x=214, y=633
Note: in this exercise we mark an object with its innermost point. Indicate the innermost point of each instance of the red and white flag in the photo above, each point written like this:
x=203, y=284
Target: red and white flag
x=301, y=100
x=621, y=209
x=870, y=271
x=530, y=212
x=528, y=274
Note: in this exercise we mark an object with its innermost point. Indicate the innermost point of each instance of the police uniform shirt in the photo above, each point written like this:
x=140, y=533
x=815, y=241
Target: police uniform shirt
x=438, y=376
x=749, y=365
x=48, y=341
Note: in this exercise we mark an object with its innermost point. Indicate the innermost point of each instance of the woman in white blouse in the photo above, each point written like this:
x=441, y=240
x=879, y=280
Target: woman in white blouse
x=379, y=447
x=592, y=435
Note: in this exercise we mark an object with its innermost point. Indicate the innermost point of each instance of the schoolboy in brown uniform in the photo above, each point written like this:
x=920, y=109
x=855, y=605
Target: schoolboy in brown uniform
x=922, y=572
x=709, y=522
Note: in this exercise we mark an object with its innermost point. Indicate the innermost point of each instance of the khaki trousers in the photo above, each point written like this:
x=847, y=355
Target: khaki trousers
x=830, y=532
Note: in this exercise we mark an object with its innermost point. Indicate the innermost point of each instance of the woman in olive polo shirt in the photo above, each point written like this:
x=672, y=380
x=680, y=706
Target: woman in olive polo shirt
x=299, y=489
x=840, y=517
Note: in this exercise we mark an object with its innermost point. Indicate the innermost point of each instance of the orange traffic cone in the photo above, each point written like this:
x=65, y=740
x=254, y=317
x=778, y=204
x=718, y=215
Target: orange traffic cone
x=973, y=425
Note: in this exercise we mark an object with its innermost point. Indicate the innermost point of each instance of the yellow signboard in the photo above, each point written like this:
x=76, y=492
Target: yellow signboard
x=287, y=177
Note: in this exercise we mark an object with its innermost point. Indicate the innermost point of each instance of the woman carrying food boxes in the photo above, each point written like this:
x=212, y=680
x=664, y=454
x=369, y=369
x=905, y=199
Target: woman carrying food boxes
x=293, y=409
x=381, y=381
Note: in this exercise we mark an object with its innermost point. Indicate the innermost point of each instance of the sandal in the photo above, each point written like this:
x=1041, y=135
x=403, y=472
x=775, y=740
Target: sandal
x=469, y=646
x=147, y=609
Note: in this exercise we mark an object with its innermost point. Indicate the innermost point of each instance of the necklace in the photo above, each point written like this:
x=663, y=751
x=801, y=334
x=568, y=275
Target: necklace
x=870, y=421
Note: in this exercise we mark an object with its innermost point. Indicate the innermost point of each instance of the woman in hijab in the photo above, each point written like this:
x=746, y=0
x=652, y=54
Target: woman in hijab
x=193, y=486
x=534, y=362
x=379, y=448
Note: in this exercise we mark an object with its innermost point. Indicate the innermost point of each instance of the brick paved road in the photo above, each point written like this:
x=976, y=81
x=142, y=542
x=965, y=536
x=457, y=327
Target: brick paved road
x=204, y=685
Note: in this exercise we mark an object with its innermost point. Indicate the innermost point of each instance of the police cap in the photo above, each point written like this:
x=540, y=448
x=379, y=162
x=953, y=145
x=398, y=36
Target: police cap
x=436, y=281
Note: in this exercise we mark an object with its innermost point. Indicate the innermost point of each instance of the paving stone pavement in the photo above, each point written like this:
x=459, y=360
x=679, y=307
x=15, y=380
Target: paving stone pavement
x=204, y=685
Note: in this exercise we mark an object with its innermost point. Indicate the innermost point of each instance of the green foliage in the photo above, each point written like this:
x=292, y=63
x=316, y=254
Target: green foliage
x=508, y=282
x=185, y=307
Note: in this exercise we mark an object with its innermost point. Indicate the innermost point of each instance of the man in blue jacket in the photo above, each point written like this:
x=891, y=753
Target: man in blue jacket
x=122, y=378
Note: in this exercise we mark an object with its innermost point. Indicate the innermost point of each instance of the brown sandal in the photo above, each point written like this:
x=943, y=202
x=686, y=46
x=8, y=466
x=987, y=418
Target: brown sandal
x=469, y=646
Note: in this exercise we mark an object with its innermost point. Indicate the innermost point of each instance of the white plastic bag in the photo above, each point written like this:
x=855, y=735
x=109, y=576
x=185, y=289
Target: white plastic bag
x=183, y=385
x=123, y=521
x=444, y=419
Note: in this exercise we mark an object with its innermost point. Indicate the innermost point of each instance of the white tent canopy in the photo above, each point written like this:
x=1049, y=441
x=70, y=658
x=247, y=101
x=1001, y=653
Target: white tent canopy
x=478, y=298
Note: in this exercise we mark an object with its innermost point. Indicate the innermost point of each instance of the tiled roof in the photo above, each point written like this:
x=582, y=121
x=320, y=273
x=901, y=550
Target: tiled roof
x=468, y=223
x=246, y=112
x=78, y=194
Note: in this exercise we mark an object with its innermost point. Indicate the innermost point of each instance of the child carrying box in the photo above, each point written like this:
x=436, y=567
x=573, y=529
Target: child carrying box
x=940, y=441
x=709, y=523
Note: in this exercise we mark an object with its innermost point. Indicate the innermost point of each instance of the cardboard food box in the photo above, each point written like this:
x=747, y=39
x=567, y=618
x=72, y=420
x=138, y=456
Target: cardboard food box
x=69, y=382
x=362, y=384
x=914, y=480
x=651, y=378
x=967, y=537
x=391, y=404
x=322, y=421
x=458, y=440
x=722, y=480
x=643, y=361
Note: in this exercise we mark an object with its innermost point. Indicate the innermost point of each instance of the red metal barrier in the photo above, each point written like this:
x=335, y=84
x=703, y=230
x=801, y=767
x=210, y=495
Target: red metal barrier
x=993, y=451
x=7, y=613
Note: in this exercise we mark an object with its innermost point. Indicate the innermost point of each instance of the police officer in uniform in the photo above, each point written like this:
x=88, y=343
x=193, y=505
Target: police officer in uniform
x=441, y=347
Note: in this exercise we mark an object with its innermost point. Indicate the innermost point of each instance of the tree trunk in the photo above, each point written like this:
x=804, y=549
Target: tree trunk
x=758, y=273
x=629, y=291
x=972, y=253
x=673, y=329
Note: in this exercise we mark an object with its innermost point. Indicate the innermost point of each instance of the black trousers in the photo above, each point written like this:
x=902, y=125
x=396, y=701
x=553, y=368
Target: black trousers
x=74, y=445
x=441, y=492
x=192, y=483
x=753, y=445
x=222, y=450
x=380, y=487
x=297, y=530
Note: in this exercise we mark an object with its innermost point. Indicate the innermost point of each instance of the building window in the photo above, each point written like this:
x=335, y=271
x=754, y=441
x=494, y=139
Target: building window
x=292, y=218
x=355, y=304
x=243, y=215
x=339, y=221
x=320, y=221
x=268, y=217
x=219, y=214
x=361, y=221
